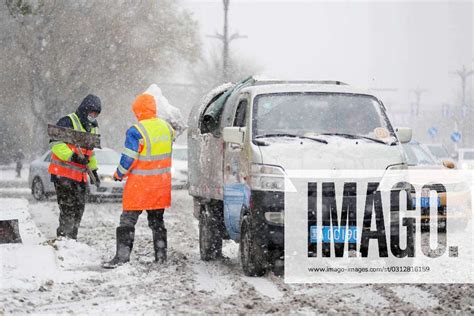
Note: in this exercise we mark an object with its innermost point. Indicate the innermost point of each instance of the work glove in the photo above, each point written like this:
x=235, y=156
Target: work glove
x=97, y=178
x=75, y=158
x=116, y=177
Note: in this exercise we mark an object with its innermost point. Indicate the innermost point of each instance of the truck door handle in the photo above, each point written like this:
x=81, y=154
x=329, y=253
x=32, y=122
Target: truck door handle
x=235, y=146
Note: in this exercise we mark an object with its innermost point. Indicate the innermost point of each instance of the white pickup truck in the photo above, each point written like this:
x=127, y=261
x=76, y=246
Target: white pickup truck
x=244, y=136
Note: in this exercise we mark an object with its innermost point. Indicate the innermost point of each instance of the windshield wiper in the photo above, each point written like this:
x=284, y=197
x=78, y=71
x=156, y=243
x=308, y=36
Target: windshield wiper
x=276, y=135
x=351, y=136
x=291, y=135
x=315, y=139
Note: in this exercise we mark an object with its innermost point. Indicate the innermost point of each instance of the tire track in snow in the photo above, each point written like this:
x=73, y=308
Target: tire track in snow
x=209, y=279
x=264, y=287
x=221, y=277
x=408, y=297
x=415, y=296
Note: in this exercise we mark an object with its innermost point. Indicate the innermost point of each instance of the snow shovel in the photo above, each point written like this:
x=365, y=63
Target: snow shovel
x=78, y=139
x=9, y=232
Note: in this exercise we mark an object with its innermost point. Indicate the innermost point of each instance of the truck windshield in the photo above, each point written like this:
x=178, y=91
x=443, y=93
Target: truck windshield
x=319, y=113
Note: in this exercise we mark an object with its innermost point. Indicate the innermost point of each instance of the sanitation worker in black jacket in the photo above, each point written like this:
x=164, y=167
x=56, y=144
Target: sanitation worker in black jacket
x=68, y=170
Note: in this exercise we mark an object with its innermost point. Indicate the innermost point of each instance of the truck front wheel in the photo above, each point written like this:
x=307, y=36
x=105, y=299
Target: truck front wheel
x=252, y=254
x=210, y=236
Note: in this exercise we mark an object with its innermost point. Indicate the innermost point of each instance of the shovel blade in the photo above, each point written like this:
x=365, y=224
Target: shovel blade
x=71, y=136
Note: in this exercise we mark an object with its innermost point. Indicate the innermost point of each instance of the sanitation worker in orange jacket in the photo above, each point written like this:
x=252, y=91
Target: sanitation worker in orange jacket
x=146, y=162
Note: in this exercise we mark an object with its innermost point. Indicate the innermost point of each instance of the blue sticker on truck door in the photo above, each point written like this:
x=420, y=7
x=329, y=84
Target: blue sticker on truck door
x=236, y=197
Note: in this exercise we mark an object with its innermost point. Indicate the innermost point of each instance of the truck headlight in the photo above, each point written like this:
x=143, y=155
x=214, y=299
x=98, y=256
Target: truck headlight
x=275, y=217
x=267, y=178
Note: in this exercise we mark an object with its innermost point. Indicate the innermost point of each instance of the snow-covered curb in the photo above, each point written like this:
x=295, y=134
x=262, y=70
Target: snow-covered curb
x=11, y=208
x=36, y=263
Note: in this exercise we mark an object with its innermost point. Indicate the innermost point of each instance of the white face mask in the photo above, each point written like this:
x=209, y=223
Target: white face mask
x=91, y=119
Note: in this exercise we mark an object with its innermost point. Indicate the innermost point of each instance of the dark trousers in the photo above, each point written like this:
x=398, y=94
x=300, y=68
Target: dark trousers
x=126, y=235
x=155, y=219
x=71, y=200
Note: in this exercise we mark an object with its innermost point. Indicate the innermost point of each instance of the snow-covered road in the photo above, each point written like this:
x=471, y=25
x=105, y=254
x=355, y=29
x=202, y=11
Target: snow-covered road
x=187, y=284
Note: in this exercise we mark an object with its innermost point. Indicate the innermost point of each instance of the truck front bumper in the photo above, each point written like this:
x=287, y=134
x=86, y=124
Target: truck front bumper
x=271, y=228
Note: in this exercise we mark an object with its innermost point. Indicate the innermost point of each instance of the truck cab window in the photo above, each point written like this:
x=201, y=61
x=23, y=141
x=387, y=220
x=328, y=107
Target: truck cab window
x=240, y=114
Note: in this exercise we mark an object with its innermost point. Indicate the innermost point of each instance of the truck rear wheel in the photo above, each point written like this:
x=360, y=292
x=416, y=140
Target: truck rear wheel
x=210, y=235
x=252, y=255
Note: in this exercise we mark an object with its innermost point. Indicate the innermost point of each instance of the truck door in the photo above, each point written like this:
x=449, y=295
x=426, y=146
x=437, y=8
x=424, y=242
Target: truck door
x=236, y=171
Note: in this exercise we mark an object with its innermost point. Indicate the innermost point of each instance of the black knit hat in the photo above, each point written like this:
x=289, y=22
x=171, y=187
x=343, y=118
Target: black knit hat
x=91, y=103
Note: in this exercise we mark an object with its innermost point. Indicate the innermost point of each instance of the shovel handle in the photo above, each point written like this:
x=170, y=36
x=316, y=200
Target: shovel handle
x=89, y=171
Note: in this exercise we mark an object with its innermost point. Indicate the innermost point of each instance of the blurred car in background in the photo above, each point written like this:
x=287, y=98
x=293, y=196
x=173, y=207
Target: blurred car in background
x=179, y=169
x=466, y=158
x=420, y=158
x=437, y=151
x=107, y=159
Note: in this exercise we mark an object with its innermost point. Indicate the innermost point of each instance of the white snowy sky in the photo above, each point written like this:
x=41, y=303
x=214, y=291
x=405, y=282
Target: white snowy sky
x=375, y=44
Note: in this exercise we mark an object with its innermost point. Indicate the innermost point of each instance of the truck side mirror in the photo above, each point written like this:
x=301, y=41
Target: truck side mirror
x=404, y=134
x=234, y=135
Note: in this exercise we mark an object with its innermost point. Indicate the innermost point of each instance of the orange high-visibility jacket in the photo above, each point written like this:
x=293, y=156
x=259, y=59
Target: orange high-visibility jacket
x=148, y=186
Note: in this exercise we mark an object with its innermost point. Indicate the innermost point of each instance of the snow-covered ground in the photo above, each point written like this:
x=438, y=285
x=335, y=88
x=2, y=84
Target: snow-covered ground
x=8, y=176
x=66, y=277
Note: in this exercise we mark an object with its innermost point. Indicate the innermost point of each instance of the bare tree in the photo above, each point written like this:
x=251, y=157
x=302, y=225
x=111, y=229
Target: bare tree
x=207, y=72
x=58, y=51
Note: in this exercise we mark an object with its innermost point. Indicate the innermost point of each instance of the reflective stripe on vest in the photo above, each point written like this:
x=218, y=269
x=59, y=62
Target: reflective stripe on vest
x=68, y=165
x=76, y=124
x=155, y=157
x=146, y=155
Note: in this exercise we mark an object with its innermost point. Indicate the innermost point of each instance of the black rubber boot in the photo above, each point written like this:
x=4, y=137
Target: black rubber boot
x=66, y=225
x=160, y=244
x=125, y=237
